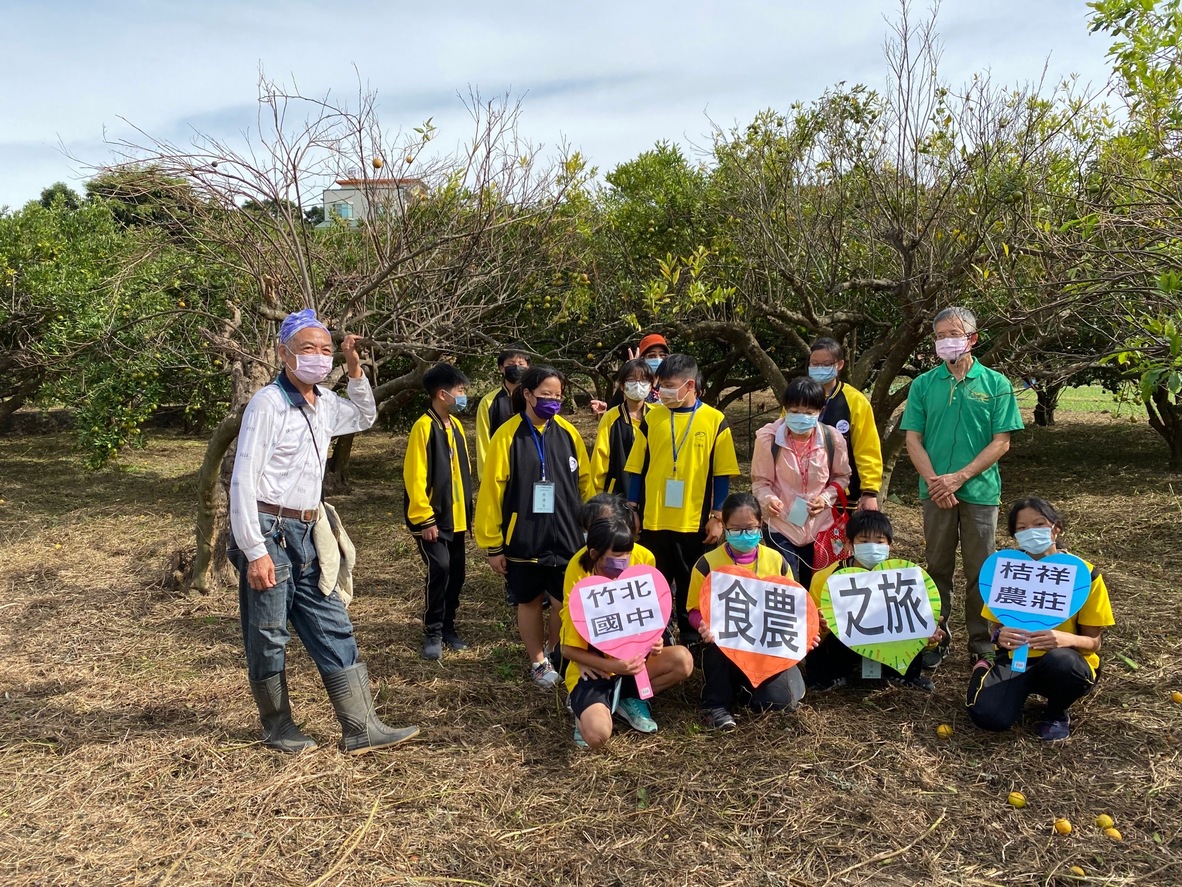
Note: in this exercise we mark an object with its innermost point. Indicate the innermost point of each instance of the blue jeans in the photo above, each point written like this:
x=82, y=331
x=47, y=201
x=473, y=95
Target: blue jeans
x=320, y=620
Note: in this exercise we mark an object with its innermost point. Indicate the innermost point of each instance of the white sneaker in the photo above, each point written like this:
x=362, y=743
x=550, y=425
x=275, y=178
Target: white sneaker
x=544, y=675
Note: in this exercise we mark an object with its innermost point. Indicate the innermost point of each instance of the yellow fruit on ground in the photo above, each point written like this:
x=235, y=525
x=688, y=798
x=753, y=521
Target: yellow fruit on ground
x=1076, y=870
x=1177, y=696
x=1062, y=826
x=944, y=731
x=1016, y=799
x=1114, y=834
x=1104, y=821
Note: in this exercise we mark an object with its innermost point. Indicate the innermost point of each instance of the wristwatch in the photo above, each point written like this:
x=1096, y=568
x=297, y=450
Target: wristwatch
x=716, y=515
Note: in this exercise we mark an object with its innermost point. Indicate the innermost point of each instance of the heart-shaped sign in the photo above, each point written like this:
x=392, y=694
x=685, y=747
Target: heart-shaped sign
x=887, y=614
x=763, y=624
x=623, y=617
x=1033, y=595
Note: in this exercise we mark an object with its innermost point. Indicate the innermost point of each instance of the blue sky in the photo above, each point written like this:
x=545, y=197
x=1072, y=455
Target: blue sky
x=609, y=79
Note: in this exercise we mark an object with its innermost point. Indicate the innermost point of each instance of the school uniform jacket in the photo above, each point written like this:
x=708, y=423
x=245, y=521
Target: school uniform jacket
x=613, y=443
x=505, y=519
x=491, y=413
x=850, y=412
x=437, y=488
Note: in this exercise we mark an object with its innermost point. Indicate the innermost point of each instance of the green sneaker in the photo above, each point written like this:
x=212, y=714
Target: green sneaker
x=638, y=715
x=578, y=737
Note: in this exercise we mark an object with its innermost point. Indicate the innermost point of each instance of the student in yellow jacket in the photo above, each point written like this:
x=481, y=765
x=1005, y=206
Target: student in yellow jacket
x=1063, y=664
x=848, y=410
x=529, y=507
x=497, y=406
x=681, y=466
x=437, y=502
x=601, y=686
x=722, y=680
x=617, y=428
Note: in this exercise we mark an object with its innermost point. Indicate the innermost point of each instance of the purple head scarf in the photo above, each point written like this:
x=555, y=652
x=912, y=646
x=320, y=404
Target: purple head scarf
x=299, y=320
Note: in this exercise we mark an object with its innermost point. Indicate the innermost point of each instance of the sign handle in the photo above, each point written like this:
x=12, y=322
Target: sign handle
x=642, y=684
x=1018, y=659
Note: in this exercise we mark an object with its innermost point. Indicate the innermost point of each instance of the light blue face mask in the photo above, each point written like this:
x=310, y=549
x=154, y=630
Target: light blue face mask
x=823, y=375
x=1035, y=540
x=871, y=554
x=654, y=363
x=461, y=401
x=743, y=541
x=799, y=423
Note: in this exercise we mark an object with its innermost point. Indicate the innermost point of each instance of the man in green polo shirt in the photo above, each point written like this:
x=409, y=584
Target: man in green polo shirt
x=958, y=422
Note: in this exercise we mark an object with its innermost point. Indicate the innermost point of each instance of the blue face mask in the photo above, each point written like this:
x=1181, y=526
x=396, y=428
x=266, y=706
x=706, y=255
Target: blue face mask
x=461, y=402
x=1036, y=540
x=743, y=541
x=871, y=554
x=799, y=423
x=653, y=362
x=823, y=375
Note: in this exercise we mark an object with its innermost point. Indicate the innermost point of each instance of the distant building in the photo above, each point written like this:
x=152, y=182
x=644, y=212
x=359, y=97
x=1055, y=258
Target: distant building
x=361, y=200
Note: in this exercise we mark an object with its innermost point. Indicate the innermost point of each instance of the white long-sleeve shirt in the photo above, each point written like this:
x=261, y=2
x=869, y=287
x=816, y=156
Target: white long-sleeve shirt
x=277, y=461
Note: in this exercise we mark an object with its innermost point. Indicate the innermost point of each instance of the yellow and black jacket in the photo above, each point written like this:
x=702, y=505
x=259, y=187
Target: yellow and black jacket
x=613, y=443
x=850, y=412
x=492, y=412
x=505, y=522
x=437, y=480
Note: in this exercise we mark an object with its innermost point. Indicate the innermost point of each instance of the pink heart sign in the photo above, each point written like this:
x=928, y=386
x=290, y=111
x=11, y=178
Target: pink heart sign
x=622, y=617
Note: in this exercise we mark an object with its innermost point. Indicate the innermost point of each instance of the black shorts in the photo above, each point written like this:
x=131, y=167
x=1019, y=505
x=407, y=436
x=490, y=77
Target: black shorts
x=525, y=582
x=589, y=691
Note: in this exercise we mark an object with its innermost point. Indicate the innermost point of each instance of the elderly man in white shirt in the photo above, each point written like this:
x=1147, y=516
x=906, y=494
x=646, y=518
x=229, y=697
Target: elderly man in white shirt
x=274, y=500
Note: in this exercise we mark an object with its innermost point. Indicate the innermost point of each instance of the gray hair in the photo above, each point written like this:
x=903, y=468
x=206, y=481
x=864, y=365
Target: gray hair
x=968, y=320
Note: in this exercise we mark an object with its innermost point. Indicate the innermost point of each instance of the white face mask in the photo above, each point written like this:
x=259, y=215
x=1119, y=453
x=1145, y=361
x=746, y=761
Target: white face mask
x=312, y=369
x=672, y=397
x=952, y=349
x=637, y=390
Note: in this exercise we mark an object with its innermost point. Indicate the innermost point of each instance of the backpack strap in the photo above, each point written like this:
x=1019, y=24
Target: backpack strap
x=829, y=445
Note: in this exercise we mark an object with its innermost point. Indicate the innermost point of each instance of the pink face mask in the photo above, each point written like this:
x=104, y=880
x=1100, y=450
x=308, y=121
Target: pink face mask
x=312, y=369
x=952, y=349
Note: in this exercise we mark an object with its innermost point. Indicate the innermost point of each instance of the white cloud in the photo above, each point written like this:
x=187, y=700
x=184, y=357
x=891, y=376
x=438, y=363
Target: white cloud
x=612, y=79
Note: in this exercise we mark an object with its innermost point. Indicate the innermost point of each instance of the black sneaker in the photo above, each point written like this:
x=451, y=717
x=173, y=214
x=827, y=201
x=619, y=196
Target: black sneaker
x=825, y=684
x=933, y=658
x=432, y=647
x=718, y=719
x=453, y=640
x=919, y=682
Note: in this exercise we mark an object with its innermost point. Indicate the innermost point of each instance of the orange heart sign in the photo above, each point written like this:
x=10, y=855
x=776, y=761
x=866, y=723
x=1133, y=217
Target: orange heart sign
x=763, y=624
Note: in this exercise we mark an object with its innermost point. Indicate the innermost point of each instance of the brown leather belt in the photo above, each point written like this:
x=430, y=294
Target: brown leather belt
x=292, y=513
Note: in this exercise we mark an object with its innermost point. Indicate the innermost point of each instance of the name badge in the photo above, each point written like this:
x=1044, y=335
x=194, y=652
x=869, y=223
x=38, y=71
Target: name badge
x=674, y=492
x=543, y=497
x=871, y=669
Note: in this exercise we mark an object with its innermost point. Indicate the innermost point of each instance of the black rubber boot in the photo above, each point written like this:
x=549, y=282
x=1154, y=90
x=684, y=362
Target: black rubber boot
x=361, y=731
x=279, y=730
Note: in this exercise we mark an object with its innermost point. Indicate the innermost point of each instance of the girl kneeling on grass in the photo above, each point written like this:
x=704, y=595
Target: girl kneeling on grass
x=723, y=680
x=1064, y=663
x=599, y=685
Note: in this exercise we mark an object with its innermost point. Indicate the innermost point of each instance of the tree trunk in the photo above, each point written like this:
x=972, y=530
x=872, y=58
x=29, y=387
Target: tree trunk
x=336, y=471
x=210, y=568
x=1165, y=417
x=892, y=448
x=15, y=401
x=1048, y=400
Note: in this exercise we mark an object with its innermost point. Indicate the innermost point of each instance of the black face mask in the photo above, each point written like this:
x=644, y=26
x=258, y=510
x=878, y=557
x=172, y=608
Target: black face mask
x=513, y=373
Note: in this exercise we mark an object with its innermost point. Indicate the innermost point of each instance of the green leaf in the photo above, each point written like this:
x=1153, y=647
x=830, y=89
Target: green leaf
x=1127, y=661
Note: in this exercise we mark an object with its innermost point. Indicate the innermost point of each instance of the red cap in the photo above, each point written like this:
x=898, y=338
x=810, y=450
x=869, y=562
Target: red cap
x=650, y=340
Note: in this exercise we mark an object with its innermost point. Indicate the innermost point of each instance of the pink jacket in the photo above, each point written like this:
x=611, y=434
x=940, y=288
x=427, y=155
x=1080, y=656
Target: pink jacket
x=786, y=481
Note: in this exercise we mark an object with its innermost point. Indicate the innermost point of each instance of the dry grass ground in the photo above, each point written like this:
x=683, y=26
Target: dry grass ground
x=127, y=735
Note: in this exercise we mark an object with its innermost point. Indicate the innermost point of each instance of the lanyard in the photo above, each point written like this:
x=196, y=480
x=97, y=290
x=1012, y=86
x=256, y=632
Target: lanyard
x=677, y=446
x=539, y=443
